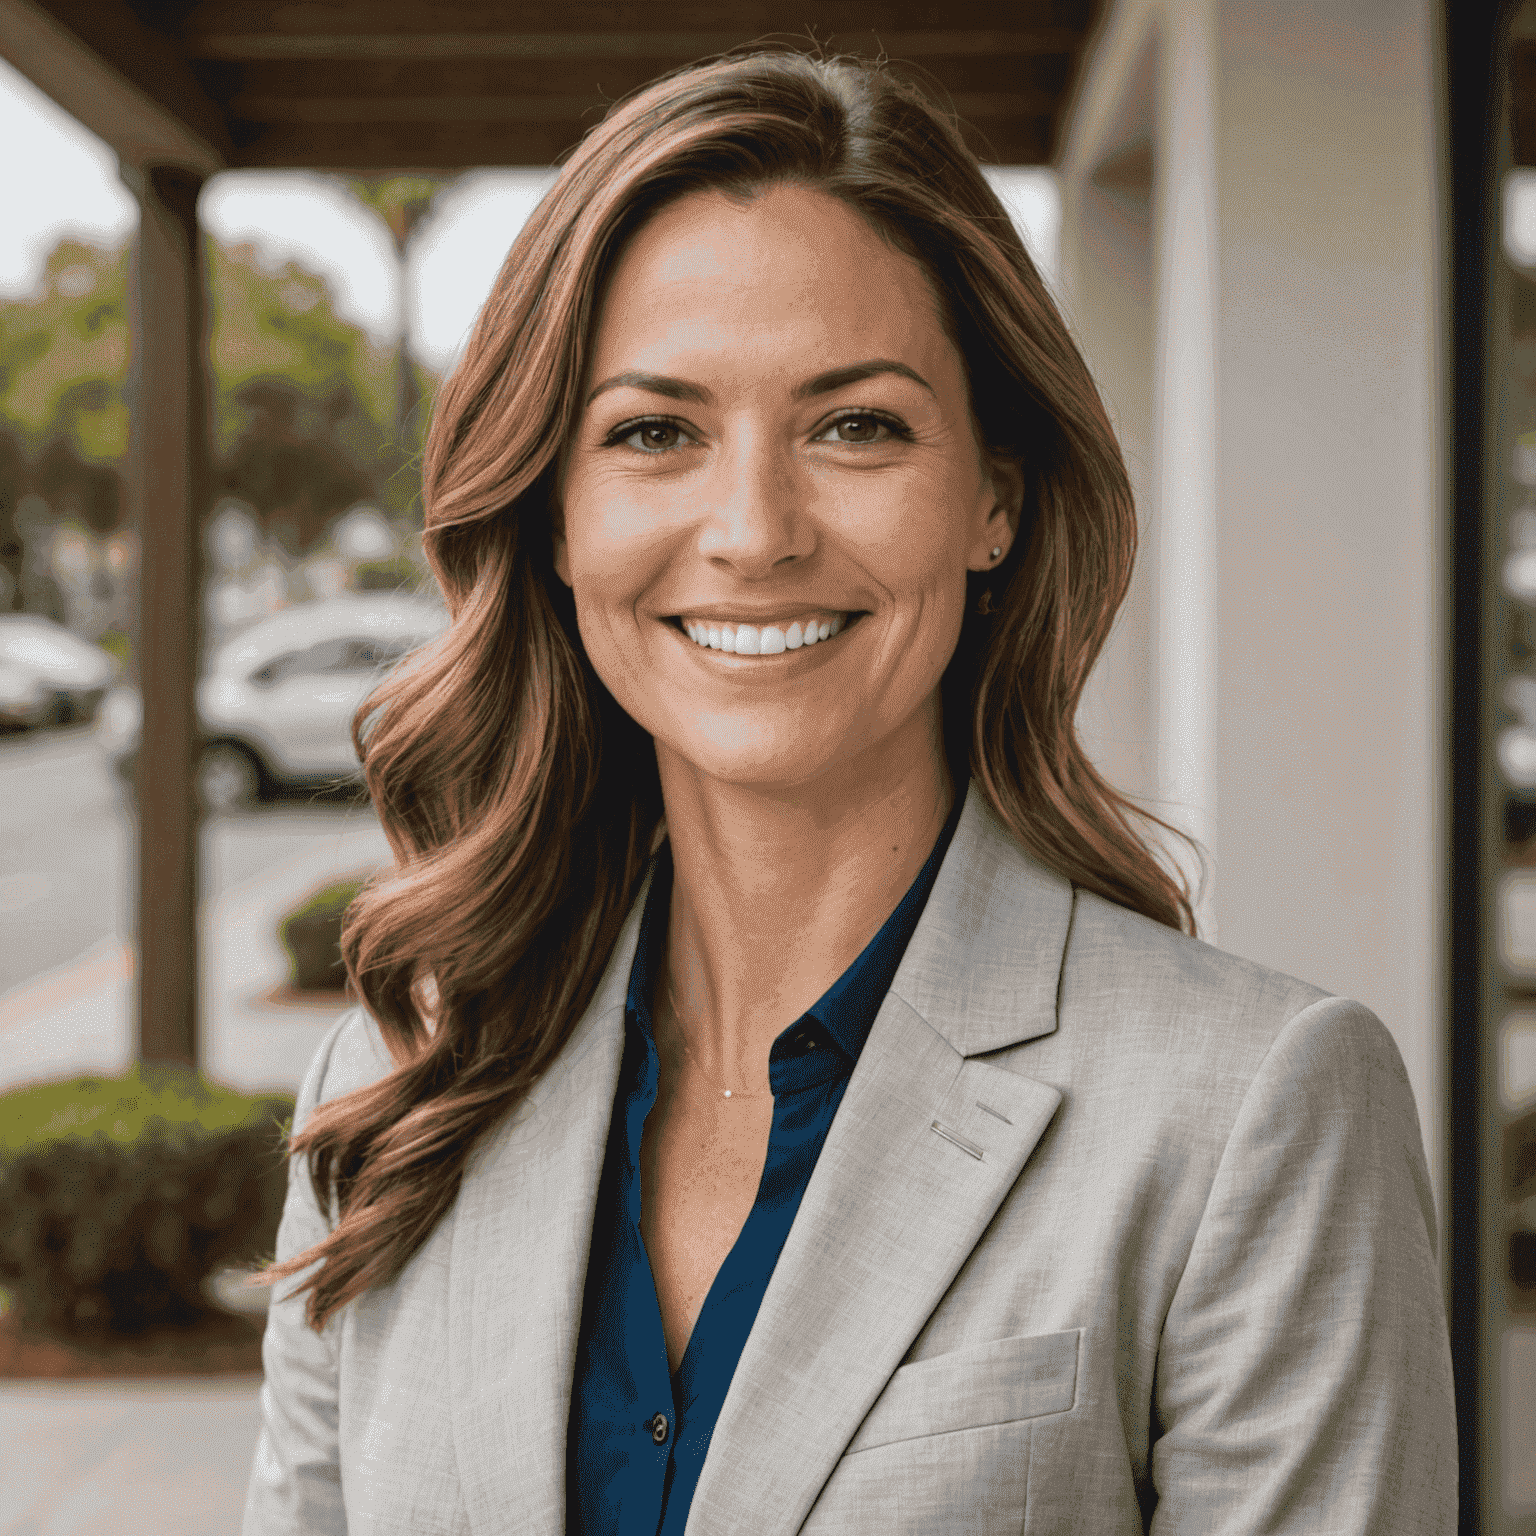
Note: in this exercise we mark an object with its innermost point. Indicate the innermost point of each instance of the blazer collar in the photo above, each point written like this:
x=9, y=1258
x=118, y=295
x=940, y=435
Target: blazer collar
x=983, y=966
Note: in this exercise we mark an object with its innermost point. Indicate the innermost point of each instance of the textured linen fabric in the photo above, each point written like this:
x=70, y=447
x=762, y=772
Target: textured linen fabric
x=620, y=1479
x=1112, y=1233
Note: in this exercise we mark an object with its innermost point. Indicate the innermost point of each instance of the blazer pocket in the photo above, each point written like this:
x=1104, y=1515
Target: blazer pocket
x=994, y=1383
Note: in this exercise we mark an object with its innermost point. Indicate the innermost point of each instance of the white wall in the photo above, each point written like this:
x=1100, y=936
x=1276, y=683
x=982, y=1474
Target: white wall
x=1277, y=677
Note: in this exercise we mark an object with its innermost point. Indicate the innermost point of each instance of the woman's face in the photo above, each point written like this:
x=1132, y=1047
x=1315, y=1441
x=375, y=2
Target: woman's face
x=775, y=444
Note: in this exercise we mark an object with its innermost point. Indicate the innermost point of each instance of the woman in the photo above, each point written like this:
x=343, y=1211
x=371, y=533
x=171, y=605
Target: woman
x=786, y=1099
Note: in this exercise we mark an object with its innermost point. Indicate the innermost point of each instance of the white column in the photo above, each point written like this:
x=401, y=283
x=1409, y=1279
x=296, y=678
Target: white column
x=1332, y=730
x=1281, y=656
x=1183, y=542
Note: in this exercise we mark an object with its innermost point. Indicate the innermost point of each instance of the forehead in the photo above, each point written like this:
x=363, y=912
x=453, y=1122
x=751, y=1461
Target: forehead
x=788, y=270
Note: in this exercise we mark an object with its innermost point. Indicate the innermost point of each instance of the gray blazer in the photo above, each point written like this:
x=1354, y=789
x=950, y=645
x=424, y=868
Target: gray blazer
x=1113, y=1232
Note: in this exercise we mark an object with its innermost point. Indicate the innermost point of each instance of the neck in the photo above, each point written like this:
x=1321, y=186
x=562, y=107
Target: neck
x=775, y=893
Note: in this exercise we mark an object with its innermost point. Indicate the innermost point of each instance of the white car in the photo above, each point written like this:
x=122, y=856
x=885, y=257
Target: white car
x=275, y=706
x=24, y=701
x=75, y=673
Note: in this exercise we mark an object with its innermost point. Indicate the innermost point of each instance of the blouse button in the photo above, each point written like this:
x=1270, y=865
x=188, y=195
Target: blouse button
x=658, y=1428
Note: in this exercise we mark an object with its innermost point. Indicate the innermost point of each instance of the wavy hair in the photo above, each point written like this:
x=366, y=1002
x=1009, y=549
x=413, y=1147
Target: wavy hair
x=521, y=803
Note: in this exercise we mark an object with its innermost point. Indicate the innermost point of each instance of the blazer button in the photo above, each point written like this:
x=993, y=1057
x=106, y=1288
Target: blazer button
x=658, y=1428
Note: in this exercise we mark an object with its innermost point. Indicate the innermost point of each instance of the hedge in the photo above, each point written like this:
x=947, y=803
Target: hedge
x=120, y=1196
x=311, y=935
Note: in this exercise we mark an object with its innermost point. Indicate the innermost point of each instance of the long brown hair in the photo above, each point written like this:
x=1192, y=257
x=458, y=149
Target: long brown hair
x=521, y=803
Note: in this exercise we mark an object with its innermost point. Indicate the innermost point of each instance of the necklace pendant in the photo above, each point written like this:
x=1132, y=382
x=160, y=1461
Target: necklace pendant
x=726, y=1093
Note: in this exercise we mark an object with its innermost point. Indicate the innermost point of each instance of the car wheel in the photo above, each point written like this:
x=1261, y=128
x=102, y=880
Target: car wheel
x=227, y=778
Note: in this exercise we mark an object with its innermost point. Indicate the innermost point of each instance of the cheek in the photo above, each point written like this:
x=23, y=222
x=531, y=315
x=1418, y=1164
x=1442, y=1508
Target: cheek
x=918, y=539
x=614, y=545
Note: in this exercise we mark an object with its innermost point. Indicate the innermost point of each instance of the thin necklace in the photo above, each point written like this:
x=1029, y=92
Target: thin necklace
x=725, y=1093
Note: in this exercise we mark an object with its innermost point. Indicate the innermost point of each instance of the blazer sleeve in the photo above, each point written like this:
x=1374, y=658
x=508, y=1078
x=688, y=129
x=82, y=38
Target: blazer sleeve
x=295, y=1486
x=1304, y=1380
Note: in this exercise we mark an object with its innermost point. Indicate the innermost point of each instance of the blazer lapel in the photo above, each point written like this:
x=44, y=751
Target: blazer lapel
x=522, y=1228
x=923, y=1149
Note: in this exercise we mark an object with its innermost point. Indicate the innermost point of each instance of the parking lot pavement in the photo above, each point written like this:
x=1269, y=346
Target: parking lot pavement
x=78, y=1018
x=126, y=1458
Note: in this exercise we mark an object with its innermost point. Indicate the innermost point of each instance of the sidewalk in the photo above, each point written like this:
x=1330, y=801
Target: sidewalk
x=158, y=1458
x=126, y=1459
x=78, y=1018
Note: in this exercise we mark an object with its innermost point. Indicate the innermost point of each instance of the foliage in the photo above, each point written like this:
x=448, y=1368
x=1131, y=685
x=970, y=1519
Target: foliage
x=329, y=901
x=282, y=325
x=400, y=201
x=118, y=646
x=311, y=935
x=74, y=333
x=385, y=575
x=120, y=1196
x=293, y=463
x=303, y=409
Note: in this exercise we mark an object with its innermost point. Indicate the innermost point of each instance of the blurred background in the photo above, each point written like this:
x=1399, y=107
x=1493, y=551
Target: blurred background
x=240, y=247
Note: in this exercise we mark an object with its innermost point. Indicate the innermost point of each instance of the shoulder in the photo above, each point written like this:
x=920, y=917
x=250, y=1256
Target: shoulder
x=1154, y=1006
x=1148, y=967
x=352, y=1055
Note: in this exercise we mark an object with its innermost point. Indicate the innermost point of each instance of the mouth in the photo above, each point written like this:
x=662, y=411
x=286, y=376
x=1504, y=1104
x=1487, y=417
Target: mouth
x=740, y=639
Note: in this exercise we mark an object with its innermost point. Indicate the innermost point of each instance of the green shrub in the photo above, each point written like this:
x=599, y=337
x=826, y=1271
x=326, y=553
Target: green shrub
x=311, y=935
x=330, y=900
x=385, y=575
x=120, y=1196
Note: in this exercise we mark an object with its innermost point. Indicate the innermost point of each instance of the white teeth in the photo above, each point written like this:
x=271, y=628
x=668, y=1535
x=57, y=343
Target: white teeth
x=769, y=640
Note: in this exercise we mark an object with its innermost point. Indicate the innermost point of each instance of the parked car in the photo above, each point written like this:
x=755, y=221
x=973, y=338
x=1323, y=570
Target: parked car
x=275, y=705
x=75, y=673
x=24, y=701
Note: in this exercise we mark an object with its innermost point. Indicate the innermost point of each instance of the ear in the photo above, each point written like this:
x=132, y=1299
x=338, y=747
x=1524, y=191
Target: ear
x=558, y=544
x=1005, y=488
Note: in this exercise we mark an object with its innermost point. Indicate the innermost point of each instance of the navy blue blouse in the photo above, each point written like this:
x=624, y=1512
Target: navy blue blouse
x=638, y=1434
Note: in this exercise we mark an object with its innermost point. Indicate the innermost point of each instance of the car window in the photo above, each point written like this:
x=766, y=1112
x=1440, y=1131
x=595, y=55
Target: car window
x=351, y=653
x=277, y=670
x=370, y=655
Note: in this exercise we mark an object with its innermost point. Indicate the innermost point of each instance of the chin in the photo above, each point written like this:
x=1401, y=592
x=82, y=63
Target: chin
x=751, y=758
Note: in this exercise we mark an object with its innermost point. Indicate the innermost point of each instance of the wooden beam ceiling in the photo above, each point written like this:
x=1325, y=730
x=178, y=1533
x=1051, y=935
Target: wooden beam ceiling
x=397, y=84
x=121, y=78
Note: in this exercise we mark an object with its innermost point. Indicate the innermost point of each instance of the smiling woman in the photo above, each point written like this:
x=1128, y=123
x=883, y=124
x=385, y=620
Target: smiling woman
x=785, y=1098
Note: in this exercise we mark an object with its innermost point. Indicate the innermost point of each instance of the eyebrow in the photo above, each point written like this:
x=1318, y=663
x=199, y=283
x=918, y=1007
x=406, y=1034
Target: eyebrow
x=836, y=378
x=822, y=384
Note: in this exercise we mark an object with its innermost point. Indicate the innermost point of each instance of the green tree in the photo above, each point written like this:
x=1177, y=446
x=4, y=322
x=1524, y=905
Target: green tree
x=402, y=202
x=64, y=366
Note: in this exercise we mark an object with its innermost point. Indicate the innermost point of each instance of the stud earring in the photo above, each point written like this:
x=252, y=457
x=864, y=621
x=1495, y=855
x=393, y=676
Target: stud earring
x=997, y=550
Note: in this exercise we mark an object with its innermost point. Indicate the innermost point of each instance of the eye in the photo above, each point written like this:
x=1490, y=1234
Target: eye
x=654, y=436
x=861, y=427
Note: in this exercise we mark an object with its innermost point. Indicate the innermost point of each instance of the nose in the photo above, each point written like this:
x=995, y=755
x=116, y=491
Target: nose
x=755, y=513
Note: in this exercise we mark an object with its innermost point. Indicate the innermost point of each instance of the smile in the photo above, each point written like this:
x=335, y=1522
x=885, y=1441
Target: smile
x=766, y=639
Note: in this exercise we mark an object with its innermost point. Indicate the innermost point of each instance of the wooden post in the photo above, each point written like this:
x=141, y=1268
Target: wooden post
x=169, y=477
